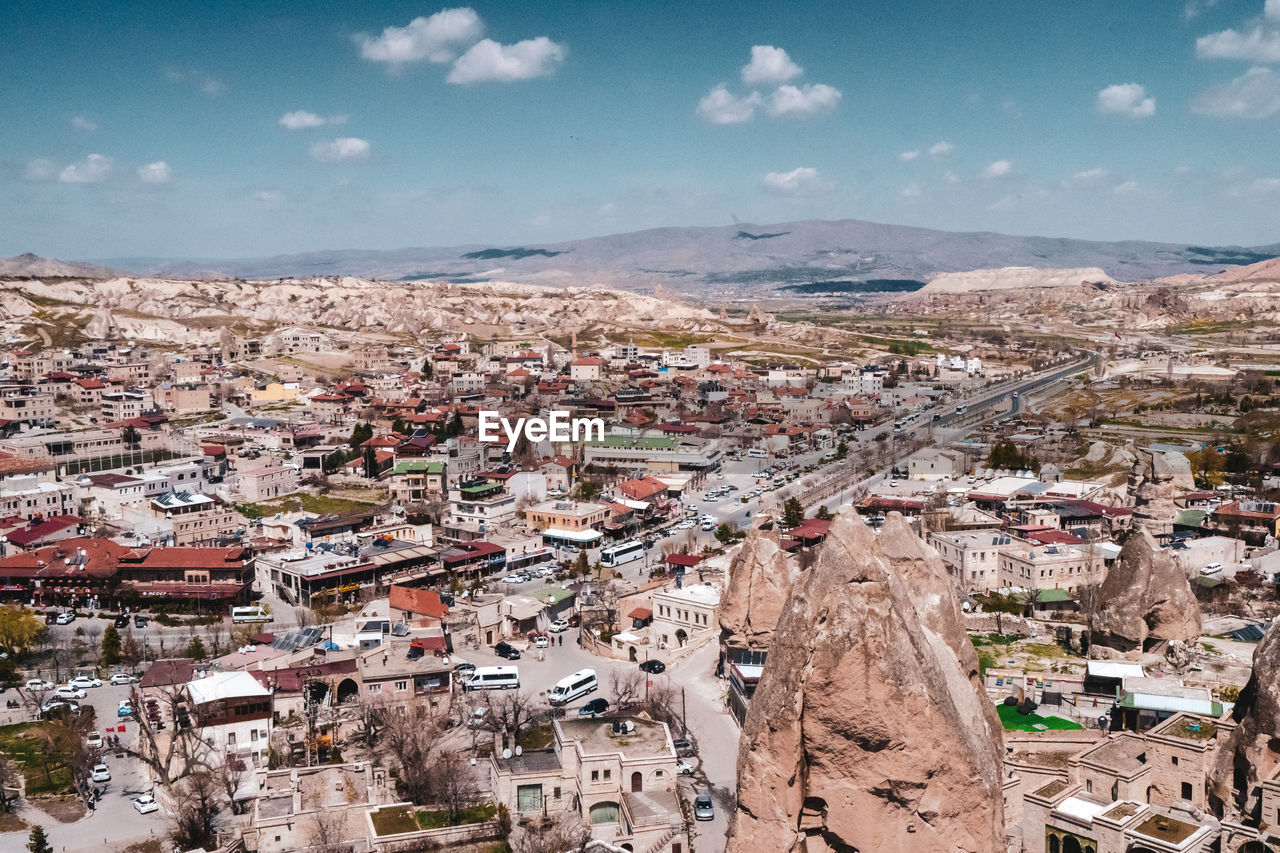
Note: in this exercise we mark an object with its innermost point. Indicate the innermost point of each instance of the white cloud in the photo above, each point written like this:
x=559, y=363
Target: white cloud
x=301, y=120
x=1264, y=185
x=1272, y=10
x=1257, y=45
x=269, y=197
x=1086, y=178
x=155, y=173
x=1127, y=188
x=90, y=170
x=801, y=181
x=998, y=169
x=938, y=150
x=912, y=191
x=1254, y=94
x=203, y=80
x=524, y=60
x=342, y=148
x=719, y=106
x=83, y=123
x=951, y=178
x=769, y=66
x=807, y=100
x=1126, y=99
x=908, y=156
x=1193, y=8
x=435, y=39
x=39, y=169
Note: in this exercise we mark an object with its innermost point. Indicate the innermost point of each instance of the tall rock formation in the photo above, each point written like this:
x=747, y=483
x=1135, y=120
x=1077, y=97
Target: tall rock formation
x=869, y=730
x=1156, y=479
x=1252, y=750
x=760, y=578
x=1146, y=601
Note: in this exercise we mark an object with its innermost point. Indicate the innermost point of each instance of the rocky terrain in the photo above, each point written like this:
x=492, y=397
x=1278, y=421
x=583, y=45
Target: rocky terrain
x=180, y=311
x=868, y=730
x=1146, y=602
x=760, y=579
x=1252, y=751
x=1013, y=278
x=36, y=266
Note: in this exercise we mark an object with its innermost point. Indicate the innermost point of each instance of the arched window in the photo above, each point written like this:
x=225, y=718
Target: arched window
x=637, y=782
x=604, y=813
x=1054, y=845
x=1071, y=844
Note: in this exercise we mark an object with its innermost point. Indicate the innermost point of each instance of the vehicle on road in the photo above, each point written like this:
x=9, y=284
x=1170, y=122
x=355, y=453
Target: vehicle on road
x=477, y=717
x=708, y=525
x=94, y=740
x=124, y=709
x=100, y=773
x=66, y=691
x=703, y=808
x=55, y=708
x=494, y=678
x=37, y=684
x=684, y=768
x=654, y=666
x=594, y=707
x=140, y=621
x=624, y=552
x=84, y=682
x=557, y=626
x=570, y=687
x=541, y=641
x=146, y=804
x=122, y=621
x=122, y=678
x=683, y=746
x=506, y=650
x=65, y=618
x=251, y=613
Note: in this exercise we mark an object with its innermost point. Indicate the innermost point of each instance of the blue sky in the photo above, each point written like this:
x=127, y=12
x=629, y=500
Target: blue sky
x=283, y=127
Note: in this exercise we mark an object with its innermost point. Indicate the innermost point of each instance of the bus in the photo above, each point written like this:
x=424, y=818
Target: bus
x=253, y=613
x=494, y=678
x=571, y=687
x=616, y=555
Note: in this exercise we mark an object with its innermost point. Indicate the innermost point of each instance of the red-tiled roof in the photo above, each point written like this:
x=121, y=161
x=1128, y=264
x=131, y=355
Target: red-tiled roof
x=688, y=560
x=424, y=601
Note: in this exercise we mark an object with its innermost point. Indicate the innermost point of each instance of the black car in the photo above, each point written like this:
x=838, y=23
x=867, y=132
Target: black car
x=595, y=706
x=122, y=621
x=684, y=747
x=653, y=666
x=506, y=650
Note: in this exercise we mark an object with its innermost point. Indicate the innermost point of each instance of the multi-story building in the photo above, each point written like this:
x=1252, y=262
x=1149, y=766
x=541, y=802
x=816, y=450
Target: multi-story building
x=417, y=480
x=26, y=495
x=479, y=506
x=196, y=519
x=972, y=558
x=124, y=405
x=682, y=615
x=269, y=482
x=653, y=453
x=233, y=713
x=617, y=775
x=567, y=515
x=27, y=405
x=1040, y=567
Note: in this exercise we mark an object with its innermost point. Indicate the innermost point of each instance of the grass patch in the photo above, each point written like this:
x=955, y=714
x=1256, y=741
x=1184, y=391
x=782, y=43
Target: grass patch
x=393, y=820
x=302, y=502
x=471, y=814
x=22, y=743
x=1044, y=650
x=536, y=737
x=10, y=822
x=1015, y=722
x=994, y=639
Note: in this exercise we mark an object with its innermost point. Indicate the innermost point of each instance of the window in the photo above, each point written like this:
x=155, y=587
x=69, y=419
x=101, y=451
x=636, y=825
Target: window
x=529, y=798
x=607, y=774
x=402, y=685
x=1175, y=761
x=555, y=792
x=595, y=775
x=1187, y=793
x=375, y=688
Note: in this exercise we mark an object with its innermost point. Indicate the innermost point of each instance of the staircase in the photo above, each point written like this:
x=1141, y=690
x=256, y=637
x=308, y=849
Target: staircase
x=661, y=844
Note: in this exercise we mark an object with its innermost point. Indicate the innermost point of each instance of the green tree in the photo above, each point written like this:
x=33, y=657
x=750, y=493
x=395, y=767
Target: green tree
x=792, y=513
x=37, y=841
x=111, y=646
x=360, y=433
x=195, y=649
x=426, y=369
x=18, y=629
x=581, y=566
x=399, y=426
x=823, y=514
x=842, y=450
x=131, y=436
x=724, y=533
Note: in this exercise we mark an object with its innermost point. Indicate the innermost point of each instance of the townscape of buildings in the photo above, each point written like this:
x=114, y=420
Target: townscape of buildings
x=318, y=573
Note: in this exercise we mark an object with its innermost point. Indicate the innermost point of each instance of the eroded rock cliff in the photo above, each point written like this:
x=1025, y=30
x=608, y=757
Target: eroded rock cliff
x=1252, y=750
x=869, y=730
x=759, y=580
x=1146, y=601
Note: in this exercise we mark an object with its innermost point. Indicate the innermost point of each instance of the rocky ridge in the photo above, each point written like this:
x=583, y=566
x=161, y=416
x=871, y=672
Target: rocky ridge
x=760, y=579
x=1146, y=602
x=1252, y=749
x=869, y=730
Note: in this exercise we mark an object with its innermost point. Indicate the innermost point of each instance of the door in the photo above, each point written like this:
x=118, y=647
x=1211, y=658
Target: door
x=637, y=782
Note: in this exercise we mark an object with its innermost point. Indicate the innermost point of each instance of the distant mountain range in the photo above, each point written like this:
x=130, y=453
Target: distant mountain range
x=33, y=266
x=852, y=255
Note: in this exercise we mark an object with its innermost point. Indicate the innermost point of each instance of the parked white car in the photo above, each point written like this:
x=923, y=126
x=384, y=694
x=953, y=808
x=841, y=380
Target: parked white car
x=38, y=684
x=122, y=678
x=558, y=625
x=85, y=681
x=66, y=691
x=94, y=740
x=146, y=804
x=100, y=773
x=541, y=641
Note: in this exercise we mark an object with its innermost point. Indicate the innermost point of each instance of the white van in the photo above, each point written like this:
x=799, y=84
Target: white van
x=253, y=613
x=1211, y=569
x=571, y=687
x=758, y=453
x=494, y=678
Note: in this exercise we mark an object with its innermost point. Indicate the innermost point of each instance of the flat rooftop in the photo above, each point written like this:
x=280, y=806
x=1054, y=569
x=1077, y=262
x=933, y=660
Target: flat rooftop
x=597, y=738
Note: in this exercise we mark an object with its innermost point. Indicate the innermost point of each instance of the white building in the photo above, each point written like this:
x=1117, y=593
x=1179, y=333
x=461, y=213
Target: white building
x=233, y=712
x=682, y=615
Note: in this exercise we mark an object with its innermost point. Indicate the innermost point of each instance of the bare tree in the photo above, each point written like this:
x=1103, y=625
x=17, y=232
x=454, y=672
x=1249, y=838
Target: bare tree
x=510, y=713
x=172, y=757
x=198, y=806
x=370, y=715
x=231, y=772
x=328, y=831
x=93, y=636
x=627, y=686
x=131, y=651
x=564, y=833
x=415, y=737
x=9, y=784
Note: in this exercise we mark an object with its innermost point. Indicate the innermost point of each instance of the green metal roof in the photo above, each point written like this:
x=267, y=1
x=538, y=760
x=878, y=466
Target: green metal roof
x=1054, y=596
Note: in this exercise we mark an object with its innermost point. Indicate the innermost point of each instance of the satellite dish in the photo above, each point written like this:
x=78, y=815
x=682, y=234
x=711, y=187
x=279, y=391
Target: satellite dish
x=519, y=751
x=506, y=753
